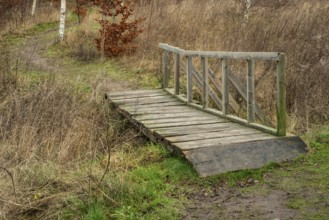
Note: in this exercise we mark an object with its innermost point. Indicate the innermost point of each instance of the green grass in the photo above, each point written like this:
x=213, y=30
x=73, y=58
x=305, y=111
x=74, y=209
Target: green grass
x=307, y=179
x=296, y=203
x=154, y=190
x=42, y=27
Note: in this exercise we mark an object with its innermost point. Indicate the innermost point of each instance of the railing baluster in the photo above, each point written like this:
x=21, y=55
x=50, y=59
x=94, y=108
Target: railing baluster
x=225, y=92
x=165, y=69
x=281, y=96
x=189, y=79
x=251, y=91
x=177, y=73
x=205, y=82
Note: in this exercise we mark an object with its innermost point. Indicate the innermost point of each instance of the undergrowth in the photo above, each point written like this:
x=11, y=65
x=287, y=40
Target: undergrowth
x=66, y=154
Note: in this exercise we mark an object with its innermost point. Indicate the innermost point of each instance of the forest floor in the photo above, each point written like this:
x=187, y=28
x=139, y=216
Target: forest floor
x=296, y=190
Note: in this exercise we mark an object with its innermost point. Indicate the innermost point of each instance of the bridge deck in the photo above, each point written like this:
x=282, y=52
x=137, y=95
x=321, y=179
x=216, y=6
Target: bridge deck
x=211, y=144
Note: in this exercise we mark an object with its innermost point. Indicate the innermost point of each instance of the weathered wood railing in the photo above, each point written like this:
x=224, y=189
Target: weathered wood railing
x=226, y=101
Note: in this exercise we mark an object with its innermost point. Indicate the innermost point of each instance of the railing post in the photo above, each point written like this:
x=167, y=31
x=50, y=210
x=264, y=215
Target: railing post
x=189, y=80
x=165, y=69
x=177, y=73
x=205, y=82
x=251, y=91
x=281, y=96
x=225, y=92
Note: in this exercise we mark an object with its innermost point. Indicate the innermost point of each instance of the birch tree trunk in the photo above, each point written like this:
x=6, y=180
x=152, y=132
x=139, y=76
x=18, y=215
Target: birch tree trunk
x=62, y=20
x=33, y=7
x=247, y=11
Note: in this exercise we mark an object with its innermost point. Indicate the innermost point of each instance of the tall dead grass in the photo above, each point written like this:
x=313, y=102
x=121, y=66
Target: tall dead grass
x=297, y=28
x=55, y=144
x=16, y=19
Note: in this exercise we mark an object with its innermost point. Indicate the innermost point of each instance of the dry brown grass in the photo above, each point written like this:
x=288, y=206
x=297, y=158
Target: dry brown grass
x=297, y=28
x=55, y=144
x=19, y=19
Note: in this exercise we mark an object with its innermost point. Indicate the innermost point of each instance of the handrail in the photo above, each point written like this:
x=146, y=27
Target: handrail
x=250, y=57
x=223, y=55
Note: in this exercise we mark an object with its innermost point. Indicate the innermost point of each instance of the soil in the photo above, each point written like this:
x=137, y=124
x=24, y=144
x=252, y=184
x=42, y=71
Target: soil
x=225, y=203
x=32, y=50
x=217, y=203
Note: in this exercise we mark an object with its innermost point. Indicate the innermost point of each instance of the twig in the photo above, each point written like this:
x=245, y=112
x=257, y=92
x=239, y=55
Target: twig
x=20, y=205
x=31, y=57
x=118, y=140
x=109, y=198
x=12, y=181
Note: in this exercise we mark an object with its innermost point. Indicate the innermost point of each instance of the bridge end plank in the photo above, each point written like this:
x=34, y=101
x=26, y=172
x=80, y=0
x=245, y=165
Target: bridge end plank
x=251, y=155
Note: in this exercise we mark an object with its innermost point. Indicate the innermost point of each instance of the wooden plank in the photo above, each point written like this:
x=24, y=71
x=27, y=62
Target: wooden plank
x=159, y=108
x=173, y=133
x=225, y=86
x=170, y=103
x=178, y=109
x=214, y=160
x=177, y=73
x=205, y=84
x=222, y=141
x=143, y=102
x=251, y=91
x=160, y=111
x=132, y=99
x=189, y=86
x=174, y=120
x=201, y=127
x=161, y=116
x=198, y=128
x=234, y=55
x=281, y=96
x=134, y=92
x=132, y=96
x=219, y=54
x=212, y=135
x=171, y=48
x=181, y=124
x=165, y=69
x=165, y=96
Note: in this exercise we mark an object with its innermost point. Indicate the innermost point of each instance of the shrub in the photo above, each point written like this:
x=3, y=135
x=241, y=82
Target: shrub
x=117, y=38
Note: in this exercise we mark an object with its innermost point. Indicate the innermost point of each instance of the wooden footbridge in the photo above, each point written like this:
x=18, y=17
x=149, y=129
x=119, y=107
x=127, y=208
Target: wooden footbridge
x=203, y=131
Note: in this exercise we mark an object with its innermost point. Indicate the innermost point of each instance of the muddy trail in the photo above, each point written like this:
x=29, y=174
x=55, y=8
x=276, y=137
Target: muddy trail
x=248, y=200
x=32, y=54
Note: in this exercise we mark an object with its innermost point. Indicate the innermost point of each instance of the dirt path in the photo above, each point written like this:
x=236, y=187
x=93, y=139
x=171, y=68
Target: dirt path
x=224, y=203
x=32, y=52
